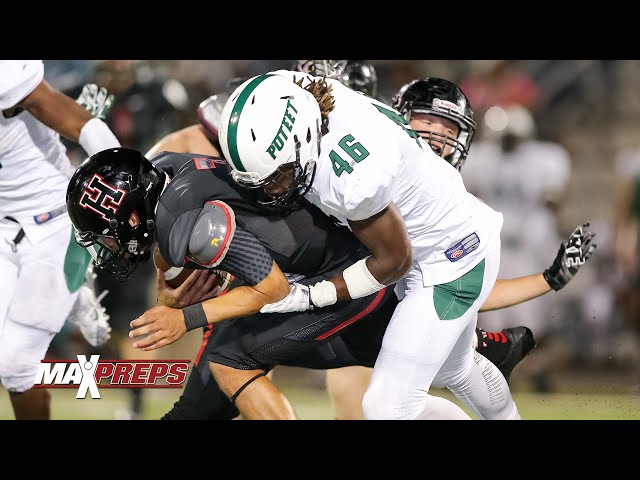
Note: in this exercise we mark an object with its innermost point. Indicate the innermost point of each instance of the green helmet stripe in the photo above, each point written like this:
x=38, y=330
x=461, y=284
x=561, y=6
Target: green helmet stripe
x=232, y=131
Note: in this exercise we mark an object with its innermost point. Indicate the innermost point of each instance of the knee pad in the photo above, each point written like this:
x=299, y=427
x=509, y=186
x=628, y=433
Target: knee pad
x=20, y=357
x=17, y=373
x=18, y=383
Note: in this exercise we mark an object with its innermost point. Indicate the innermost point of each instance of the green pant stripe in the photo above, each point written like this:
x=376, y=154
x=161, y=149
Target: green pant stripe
x=76, y=262
x=453, y=299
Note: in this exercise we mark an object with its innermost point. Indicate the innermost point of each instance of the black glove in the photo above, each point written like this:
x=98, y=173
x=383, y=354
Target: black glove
x=571, y=256
x=96, y=100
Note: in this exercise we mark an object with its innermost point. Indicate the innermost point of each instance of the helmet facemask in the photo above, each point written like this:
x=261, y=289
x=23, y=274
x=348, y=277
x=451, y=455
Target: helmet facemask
x=442, y=98
x=293, y=179
x=110, y=256
x=321, y=68
x=438, y=141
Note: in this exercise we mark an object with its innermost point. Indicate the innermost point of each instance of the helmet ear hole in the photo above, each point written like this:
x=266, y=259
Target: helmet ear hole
x=308, y=135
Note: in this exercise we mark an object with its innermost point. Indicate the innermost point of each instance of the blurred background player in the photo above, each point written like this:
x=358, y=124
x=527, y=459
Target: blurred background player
x=526, y=179
x=41, y=266
x=627, y=249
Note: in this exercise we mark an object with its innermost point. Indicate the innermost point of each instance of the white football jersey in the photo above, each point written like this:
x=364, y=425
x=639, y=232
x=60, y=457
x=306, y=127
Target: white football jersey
x=365, y=165
x=34, y=167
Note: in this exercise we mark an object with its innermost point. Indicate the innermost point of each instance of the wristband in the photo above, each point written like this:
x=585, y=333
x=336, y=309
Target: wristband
x=359, y=280
x=194, y=317
x=322, y=294
x=95, y=137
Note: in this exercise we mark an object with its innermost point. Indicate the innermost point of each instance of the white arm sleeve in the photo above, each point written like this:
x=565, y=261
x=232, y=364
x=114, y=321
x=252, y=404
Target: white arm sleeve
x=95, y=136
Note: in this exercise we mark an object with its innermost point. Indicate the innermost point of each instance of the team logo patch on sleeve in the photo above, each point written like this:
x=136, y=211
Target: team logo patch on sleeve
x=463, y=248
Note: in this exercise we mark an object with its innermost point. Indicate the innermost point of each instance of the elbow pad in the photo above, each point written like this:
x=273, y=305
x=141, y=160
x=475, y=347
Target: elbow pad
x=212, y=234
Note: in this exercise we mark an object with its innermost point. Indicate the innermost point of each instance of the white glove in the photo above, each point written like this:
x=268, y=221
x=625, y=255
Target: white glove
x=298, y=300
x=96, y=100
x=88, y=315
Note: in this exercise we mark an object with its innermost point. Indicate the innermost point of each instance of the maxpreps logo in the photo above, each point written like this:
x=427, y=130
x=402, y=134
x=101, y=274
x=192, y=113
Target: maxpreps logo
x=88, y=375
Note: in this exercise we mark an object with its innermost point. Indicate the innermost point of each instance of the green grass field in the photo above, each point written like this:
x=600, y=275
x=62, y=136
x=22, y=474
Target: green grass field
x=313, y=404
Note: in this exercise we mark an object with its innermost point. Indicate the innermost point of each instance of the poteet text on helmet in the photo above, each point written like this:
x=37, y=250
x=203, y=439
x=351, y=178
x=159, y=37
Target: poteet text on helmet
x=278, y=141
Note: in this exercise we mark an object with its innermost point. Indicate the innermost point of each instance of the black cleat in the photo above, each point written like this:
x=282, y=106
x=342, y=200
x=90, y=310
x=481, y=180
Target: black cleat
x=522, y=342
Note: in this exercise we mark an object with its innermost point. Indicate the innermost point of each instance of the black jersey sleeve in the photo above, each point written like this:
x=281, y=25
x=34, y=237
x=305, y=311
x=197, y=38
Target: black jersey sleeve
x=217, y=242
x=247, y=258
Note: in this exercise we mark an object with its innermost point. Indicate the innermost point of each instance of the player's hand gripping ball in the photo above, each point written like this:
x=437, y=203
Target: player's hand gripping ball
x=176, y=276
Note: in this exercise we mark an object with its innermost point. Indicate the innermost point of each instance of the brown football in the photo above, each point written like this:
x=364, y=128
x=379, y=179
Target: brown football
x=162, y=264
x=223, y=279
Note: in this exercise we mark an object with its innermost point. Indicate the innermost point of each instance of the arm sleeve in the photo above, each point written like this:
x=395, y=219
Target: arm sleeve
x=247, y=259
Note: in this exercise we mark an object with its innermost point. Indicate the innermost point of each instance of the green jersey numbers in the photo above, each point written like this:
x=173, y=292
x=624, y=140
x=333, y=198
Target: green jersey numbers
x=399, y=120
x=352, y=148
x=357, y=151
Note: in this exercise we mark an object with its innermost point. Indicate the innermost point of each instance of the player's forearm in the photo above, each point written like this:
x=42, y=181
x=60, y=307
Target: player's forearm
x=390, y=271
x=513, y=291
x=246, y=300
x=57, y=111
x=386, y=237
x=242, y=301
x=191, y=139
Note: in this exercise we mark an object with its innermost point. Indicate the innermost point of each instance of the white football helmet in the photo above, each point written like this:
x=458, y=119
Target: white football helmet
x=267, y=123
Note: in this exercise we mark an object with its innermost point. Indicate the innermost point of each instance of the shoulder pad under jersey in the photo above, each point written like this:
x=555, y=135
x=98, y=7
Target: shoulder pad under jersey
x=18, y=78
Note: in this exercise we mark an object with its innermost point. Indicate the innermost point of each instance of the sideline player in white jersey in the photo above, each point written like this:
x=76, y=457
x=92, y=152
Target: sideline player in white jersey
x=41, y=266
x=295, y=135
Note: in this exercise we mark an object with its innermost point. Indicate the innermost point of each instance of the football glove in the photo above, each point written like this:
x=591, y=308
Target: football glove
x=96, y=100
x=571, y=256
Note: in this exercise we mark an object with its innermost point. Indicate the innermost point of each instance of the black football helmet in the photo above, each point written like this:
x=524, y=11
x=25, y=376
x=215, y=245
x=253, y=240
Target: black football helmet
x=361, y=77
x=102, y=194
x=437, y=96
